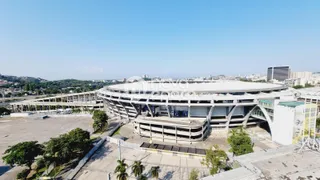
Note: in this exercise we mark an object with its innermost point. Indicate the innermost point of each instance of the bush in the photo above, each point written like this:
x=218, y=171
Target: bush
x=23, y=174
x=4, y=111
x=194, y=174
x=76, y=110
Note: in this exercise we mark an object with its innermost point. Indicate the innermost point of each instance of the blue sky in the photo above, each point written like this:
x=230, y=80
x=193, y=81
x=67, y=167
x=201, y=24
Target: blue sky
x=57, y=39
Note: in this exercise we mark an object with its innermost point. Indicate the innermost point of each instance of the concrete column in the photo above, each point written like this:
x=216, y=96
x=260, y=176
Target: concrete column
x=150, y=110
x=189, y=113
x=150, y=131
x=202, y=135
x=229, y=116
x=139, y=129
x=162, y=134
x=190, y=134
x=168, y=111
x=176, y=134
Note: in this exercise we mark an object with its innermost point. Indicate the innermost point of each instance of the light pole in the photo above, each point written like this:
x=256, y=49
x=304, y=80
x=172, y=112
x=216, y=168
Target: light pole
x=119, y=148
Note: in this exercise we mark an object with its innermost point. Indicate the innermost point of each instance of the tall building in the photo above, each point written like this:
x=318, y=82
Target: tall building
x=279, y=73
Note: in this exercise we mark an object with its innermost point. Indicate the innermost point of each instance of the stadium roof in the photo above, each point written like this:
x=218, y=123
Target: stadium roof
x=212, y=86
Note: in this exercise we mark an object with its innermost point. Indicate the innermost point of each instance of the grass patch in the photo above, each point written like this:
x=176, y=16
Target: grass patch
x=117, y=132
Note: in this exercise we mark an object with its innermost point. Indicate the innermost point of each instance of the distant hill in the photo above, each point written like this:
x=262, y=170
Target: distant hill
x=34, y=85
x=22, y=79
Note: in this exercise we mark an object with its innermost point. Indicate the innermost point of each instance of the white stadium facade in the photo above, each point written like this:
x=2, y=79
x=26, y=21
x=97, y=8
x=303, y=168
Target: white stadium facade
x=188, y=111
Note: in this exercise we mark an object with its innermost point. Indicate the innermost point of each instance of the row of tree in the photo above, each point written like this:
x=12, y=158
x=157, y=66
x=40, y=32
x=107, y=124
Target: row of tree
x=69, y=146
x=60, y=86
x=137, y=169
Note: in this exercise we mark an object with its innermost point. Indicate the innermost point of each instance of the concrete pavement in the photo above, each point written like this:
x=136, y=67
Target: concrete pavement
x=171, y=167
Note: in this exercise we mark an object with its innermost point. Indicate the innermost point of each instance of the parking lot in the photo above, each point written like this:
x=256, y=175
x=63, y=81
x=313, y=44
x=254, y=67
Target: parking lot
x=15, y=130
x=34, y=128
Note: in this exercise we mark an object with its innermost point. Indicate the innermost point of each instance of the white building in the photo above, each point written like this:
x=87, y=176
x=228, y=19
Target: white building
x=303, y=78
x=286, y=118
x=305, y=75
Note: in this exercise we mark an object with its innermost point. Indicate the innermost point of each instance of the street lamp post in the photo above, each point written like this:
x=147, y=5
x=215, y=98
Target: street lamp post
x=119, y=147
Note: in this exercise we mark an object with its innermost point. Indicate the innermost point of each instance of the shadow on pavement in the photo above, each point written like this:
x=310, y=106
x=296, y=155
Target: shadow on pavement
x=168, y=176
x=101, y=153
x=4, y=169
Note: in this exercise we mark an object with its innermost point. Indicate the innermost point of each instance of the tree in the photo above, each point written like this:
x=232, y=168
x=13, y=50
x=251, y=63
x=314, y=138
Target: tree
x=23, y=153
x=66, y=147
x=122, y=175
x=137, y=168
x=240, y=142
x=100, y=121
x=155, y=172
x=215, y=160
x=142, y=177
x=121, y=170
x=23, y=174
x=121, y=165
x=194, y=174
x=4, y=110
x=318, y=123
x=298, y=87
x=307, y=85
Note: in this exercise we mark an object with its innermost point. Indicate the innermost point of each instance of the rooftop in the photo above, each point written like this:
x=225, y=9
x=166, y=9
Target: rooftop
x=266, y=101
x=310, y=92
x=280, y=163
x=292, y=104
x=212, y=86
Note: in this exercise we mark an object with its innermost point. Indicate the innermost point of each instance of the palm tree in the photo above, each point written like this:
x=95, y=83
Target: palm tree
x=142, y=177
x=122, y=166
x=155, y=172
x=123, y=175
x=137, y=168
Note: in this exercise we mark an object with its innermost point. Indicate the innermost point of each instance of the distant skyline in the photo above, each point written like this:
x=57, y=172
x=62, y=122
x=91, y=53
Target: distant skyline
x=117, y=39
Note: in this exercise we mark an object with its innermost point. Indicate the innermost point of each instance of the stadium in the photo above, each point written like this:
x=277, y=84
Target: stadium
x=188, y=110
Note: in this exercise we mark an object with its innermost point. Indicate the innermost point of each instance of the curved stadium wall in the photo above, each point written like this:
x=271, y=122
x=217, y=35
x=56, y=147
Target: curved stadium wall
x=186, y=111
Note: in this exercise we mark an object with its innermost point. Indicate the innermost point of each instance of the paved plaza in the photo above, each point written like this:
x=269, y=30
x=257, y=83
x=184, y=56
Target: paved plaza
x=171, y=167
